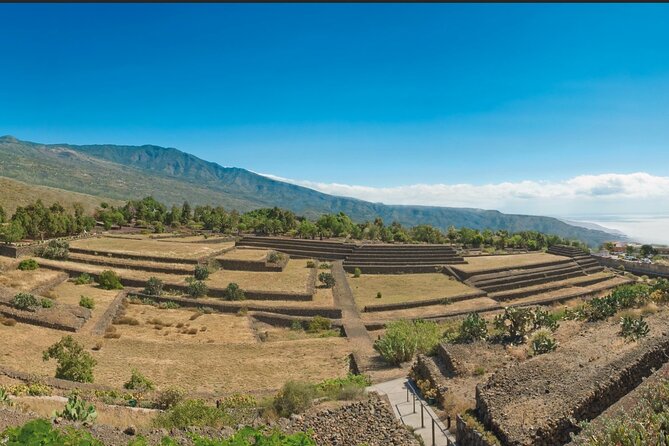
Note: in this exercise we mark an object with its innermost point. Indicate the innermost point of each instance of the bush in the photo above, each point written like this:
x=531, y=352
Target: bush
x=473, y=328
x=542, y=342
x=379, y=295
x=55, y=250
x=319, y=323
x=154, y=286
x=633, y=329
x=76, y=409
x=169, y=398
x=296, y=326
x=169, y=305
x=293, y=398
x=191, y=413
x=25, y=301
x=515, y=323
x=327, y=279
x=404, y=339
x=74, y=364
x=311, y=264
x=138, y=382
x=325, y=266
x=86, y=302
x=357, y=272
x=233, y=292
x=41, y=432
x=109, y=280
x=46, y=303
x=195, y=288
x=83, y=279
x=346, y=388
x=275, y=257
x=28, y=265
x=201, y=272
x=7, y=322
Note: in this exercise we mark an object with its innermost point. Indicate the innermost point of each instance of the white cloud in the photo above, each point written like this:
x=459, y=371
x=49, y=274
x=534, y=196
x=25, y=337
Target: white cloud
x=591, y=194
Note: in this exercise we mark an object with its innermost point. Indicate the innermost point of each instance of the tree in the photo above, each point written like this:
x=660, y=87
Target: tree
x=3, y=215
x=629, y=250
x=74, y=364
x=12, y=232
x=185, y=213
x=647, y=251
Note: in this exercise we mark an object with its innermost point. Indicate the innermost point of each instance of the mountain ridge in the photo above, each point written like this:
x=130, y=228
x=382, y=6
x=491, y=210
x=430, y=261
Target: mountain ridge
x=174, y=176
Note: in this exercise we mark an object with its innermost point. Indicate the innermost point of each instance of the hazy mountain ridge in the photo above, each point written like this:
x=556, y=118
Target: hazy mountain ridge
x=173, y=176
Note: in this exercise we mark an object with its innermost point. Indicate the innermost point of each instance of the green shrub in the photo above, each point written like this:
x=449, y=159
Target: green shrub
x=404, y=339
x=169, y=305
x=275, y=257
x=357, y=272
x=325, y=266
x=74, y=363
x=311, y=264
x=109, y=280
x=41, y=432
x=195, y=288
x=190, y=413
x=28, y=265
x=346, y=388
x=77, y=409
x=233, y=292
x=56, y=250
x=169, y=398
x=327, y=279
x=83, y=279
x=319, y=323
x=138, y=382
x=542, y=342
x=379, y=295
x=296, y=326
x=25, y=301
x=473, y=328
x=46, y=303
x=154, y=286
x=201, y=272
x=515, y=323
x=86, y=302
x=4, y=397
x=632, y=328
x=293, y=398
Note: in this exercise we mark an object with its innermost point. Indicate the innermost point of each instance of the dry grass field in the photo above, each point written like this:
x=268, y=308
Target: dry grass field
x=234, y=361
x=467, y=305
x=484, y=263
x=69, y=293
x=395, y=288
x=151, y=247
x=246, y=254
x=27, y=280
x=117, y=416
x=292, y=279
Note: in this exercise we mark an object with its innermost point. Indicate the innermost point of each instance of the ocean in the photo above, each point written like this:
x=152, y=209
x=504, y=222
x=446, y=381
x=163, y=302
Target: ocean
x=641, y=228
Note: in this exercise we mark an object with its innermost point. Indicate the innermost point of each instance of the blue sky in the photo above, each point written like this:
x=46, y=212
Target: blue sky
x=372, y=96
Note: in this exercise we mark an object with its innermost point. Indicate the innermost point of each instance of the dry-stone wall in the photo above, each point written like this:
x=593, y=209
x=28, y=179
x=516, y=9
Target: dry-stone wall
x=364, y=422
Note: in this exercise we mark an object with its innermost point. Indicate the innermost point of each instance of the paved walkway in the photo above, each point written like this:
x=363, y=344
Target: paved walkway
x=363, y=346
x=396, y=391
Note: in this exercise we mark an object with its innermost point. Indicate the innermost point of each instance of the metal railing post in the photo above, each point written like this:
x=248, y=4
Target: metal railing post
x=407, y=393
x=422, y=420
x=433, y=441
x=414, y=402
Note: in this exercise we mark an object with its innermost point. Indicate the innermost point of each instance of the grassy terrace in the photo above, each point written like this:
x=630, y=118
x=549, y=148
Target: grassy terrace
x=469, y=305
x=292, y=279
x=150, y=247
x=246, y=254
x=27, y=280
x=484, y=263
x=225, y=358
x=397, y=288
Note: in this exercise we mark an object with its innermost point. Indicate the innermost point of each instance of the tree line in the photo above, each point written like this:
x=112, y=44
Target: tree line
x=37, y=221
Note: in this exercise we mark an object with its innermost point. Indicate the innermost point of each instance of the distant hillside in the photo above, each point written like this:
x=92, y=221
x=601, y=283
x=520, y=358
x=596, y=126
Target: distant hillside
x=16, y=193
x=172, y=176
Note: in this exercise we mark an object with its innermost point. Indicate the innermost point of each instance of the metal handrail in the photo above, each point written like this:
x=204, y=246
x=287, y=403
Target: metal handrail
x=435, y=422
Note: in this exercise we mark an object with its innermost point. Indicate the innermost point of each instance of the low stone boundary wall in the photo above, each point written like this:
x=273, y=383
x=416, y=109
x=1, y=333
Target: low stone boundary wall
x=468, y=274
x=113, y=310
x=51, y=284
x=234, y=307
x=394, y=269
x=468, y=436
x=52, y=382
x=25, y=249
x=286, y=320
x=252, y=265
x=451, y=364
x=423, y=303
x=117, y=255
x=425, y=368
x=102, y=261
x=639, y=269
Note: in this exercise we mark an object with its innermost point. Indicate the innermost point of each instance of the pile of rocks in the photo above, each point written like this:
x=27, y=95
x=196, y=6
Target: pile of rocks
x=365, y=422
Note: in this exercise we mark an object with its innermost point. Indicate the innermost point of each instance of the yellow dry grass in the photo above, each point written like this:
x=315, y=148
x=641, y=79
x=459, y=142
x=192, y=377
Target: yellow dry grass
x=292, y=279
x=395, y=288
x=116, y=416
x=484, y=263
x=432, y=310
x=151, y=247
x=223, y=366
x=27, y=280
x=69, y=293
x=246, y=254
